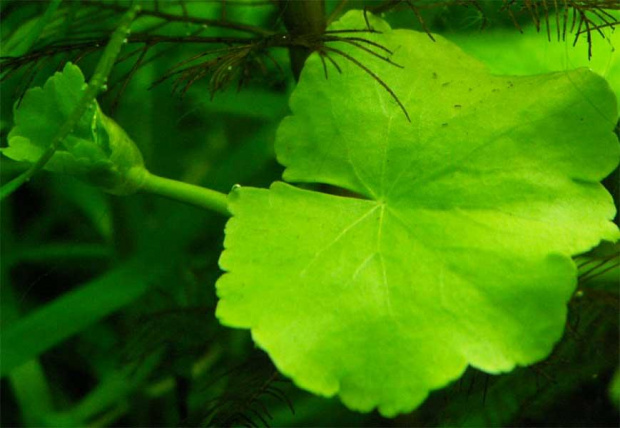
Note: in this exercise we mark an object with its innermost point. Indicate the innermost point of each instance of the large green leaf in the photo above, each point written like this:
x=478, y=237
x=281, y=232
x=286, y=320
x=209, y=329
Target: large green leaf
x=506, y=51
x=458, y=251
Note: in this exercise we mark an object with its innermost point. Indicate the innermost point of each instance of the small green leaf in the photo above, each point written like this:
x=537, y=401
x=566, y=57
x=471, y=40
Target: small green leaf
x=459, y=251
x=97, y=150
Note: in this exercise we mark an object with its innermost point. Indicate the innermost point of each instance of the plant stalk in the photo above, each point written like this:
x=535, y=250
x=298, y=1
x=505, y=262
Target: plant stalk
x=191, y=194
x=302, y=17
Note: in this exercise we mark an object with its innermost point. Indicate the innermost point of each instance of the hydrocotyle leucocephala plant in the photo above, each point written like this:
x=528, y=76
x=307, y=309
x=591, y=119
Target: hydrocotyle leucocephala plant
x=457, y=199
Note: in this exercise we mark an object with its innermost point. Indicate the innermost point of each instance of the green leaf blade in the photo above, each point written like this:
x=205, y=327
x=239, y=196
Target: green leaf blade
x=71, y=313
x=331, y=312
x=461, y=252
x=43, y=111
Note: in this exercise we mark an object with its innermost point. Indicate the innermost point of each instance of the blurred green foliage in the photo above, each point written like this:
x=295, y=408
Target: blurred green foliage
x=107, y=305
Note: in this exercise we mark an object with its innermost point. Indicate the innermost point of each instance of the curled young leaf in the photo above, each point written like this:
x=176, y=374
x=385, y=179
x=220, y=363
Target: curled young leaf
x=459, y=251
x=97, y=150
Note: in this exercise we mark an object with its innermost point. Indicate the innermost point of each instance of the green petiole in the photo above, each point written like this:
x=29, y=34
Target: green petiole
x=183, y=192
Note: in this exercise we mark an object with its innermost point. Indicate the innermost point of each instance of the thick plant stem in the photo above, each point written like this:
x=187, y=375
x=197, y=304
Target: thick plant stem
x=191, y=194
x=302, y=17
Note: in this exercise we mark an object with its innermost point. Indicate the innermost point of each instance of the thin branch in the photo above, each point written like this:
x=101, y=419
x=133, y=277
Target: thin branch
x=420, y=19
x=365, y=49
x=133, y=70
x=186, y=18
x=334, y=63
x=372, y=74
x=357, y=39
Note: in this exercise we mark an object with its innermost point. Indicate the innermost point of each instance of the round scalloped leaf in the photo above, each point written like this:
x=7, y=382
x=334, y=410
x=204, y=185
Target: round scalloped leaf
x=457, y=251
x=96, y=150
x=40, y=115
